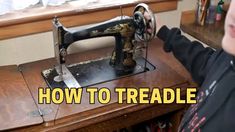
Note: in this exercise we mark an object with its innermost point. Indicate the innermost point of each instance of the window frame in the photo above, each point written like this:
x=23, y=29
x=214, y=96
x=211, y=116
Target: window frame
x=38, y=20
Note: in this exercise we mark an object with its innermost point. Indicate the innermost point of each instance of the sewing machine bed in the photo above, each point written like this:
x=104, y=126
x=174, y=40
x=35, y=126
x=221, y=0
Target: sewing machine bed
x=94, y=72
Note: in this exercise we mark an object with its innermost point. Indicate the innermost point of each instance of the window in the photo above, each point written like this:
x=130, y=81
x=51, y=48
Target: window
x=36, y=17
x=7, y=6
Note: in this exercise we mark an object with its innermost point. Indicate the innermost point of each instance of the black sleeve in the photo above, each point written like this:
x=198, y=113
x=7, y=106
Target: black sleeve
x=229, y=112
x=191, y=54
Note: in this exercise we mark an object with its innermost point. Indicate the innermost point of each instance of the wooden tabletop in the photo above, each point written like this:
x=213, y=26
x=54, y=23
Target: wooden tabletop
x=168, y=73
x=210, y=34
x=17, y=107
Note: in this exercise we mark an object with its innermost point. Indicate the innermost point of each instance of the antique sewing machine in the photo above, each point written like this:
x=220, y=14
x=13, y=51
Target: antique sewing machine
x=131, y=37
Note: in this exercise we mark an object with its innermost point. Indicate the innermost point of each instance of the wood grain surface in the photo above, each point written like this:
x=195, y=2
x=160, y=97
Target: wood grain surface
x=76, y=116
x=210, y=34
x=34, y=80
x=17, y=107
x=17, y=102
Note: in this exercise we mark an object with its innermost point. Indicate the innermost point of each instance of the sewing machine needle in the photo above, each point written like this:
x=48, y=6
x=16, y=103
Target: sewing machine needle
x=121, y=12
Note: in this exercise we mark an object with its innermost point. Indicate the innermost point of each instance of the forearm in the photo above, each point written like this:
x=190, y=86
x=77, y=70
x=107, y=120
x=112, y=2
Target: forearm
x=190, y=53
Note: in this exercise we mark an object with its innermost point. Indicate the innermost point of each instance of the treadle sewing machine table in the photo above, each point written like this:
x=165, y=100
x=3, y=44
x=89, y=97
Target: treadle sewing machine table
x=19, y=96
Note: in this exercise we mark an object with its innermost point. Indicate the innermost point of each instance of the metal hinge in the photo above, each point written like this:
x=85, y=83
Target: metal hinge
x=19, y=68
x=40, y=112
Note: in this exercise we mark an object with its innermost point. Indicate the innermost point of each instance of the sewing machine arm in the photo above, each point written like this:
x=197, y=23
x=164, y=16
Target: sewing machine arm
x=121, y=28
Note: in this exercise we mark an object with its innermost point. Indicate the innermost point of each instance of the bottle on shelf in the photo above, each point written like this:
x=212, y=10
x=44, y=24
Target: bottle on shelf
x=211, y=12
x=219, y=10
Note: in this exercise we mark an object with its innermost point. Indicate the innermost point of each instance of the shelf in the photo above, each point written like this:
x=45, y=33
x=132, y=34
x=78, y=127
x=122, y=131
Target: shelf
x=210, y=34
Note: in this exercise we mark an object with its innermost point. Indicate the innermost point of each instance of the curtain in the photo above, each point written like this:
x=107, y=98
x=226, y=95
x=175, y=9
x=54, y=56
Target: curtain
x=53, y=2
x=7, y=6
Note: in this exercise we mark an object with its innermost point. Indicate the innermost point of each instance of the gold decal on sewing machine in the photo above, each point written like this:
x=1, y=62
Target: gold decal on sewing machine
x=124, y=95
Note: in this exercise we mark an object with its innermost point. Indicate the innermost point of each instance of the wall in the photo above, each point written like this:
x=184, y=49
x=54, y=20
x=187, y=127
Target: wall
x=40, y=46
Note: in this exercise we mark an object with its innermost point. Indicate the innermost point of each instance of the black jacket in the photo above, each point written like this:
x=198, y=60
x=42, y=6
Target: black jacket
x=214, y=71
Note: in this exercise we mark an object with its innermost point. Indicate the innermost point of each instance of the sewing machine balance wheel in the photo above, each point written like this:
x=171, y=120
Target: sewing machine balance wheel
x=145, y=22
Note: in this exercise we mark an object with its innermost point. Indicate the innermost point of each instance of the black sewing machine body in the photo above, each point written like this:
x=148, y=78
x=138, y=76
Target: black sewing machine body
x=121, y=63
x=121, y=28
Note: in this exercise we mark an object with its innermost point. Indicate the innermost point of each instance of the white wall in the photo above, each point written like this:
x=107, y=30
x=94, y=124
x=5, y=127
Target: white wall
x=40, y=46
